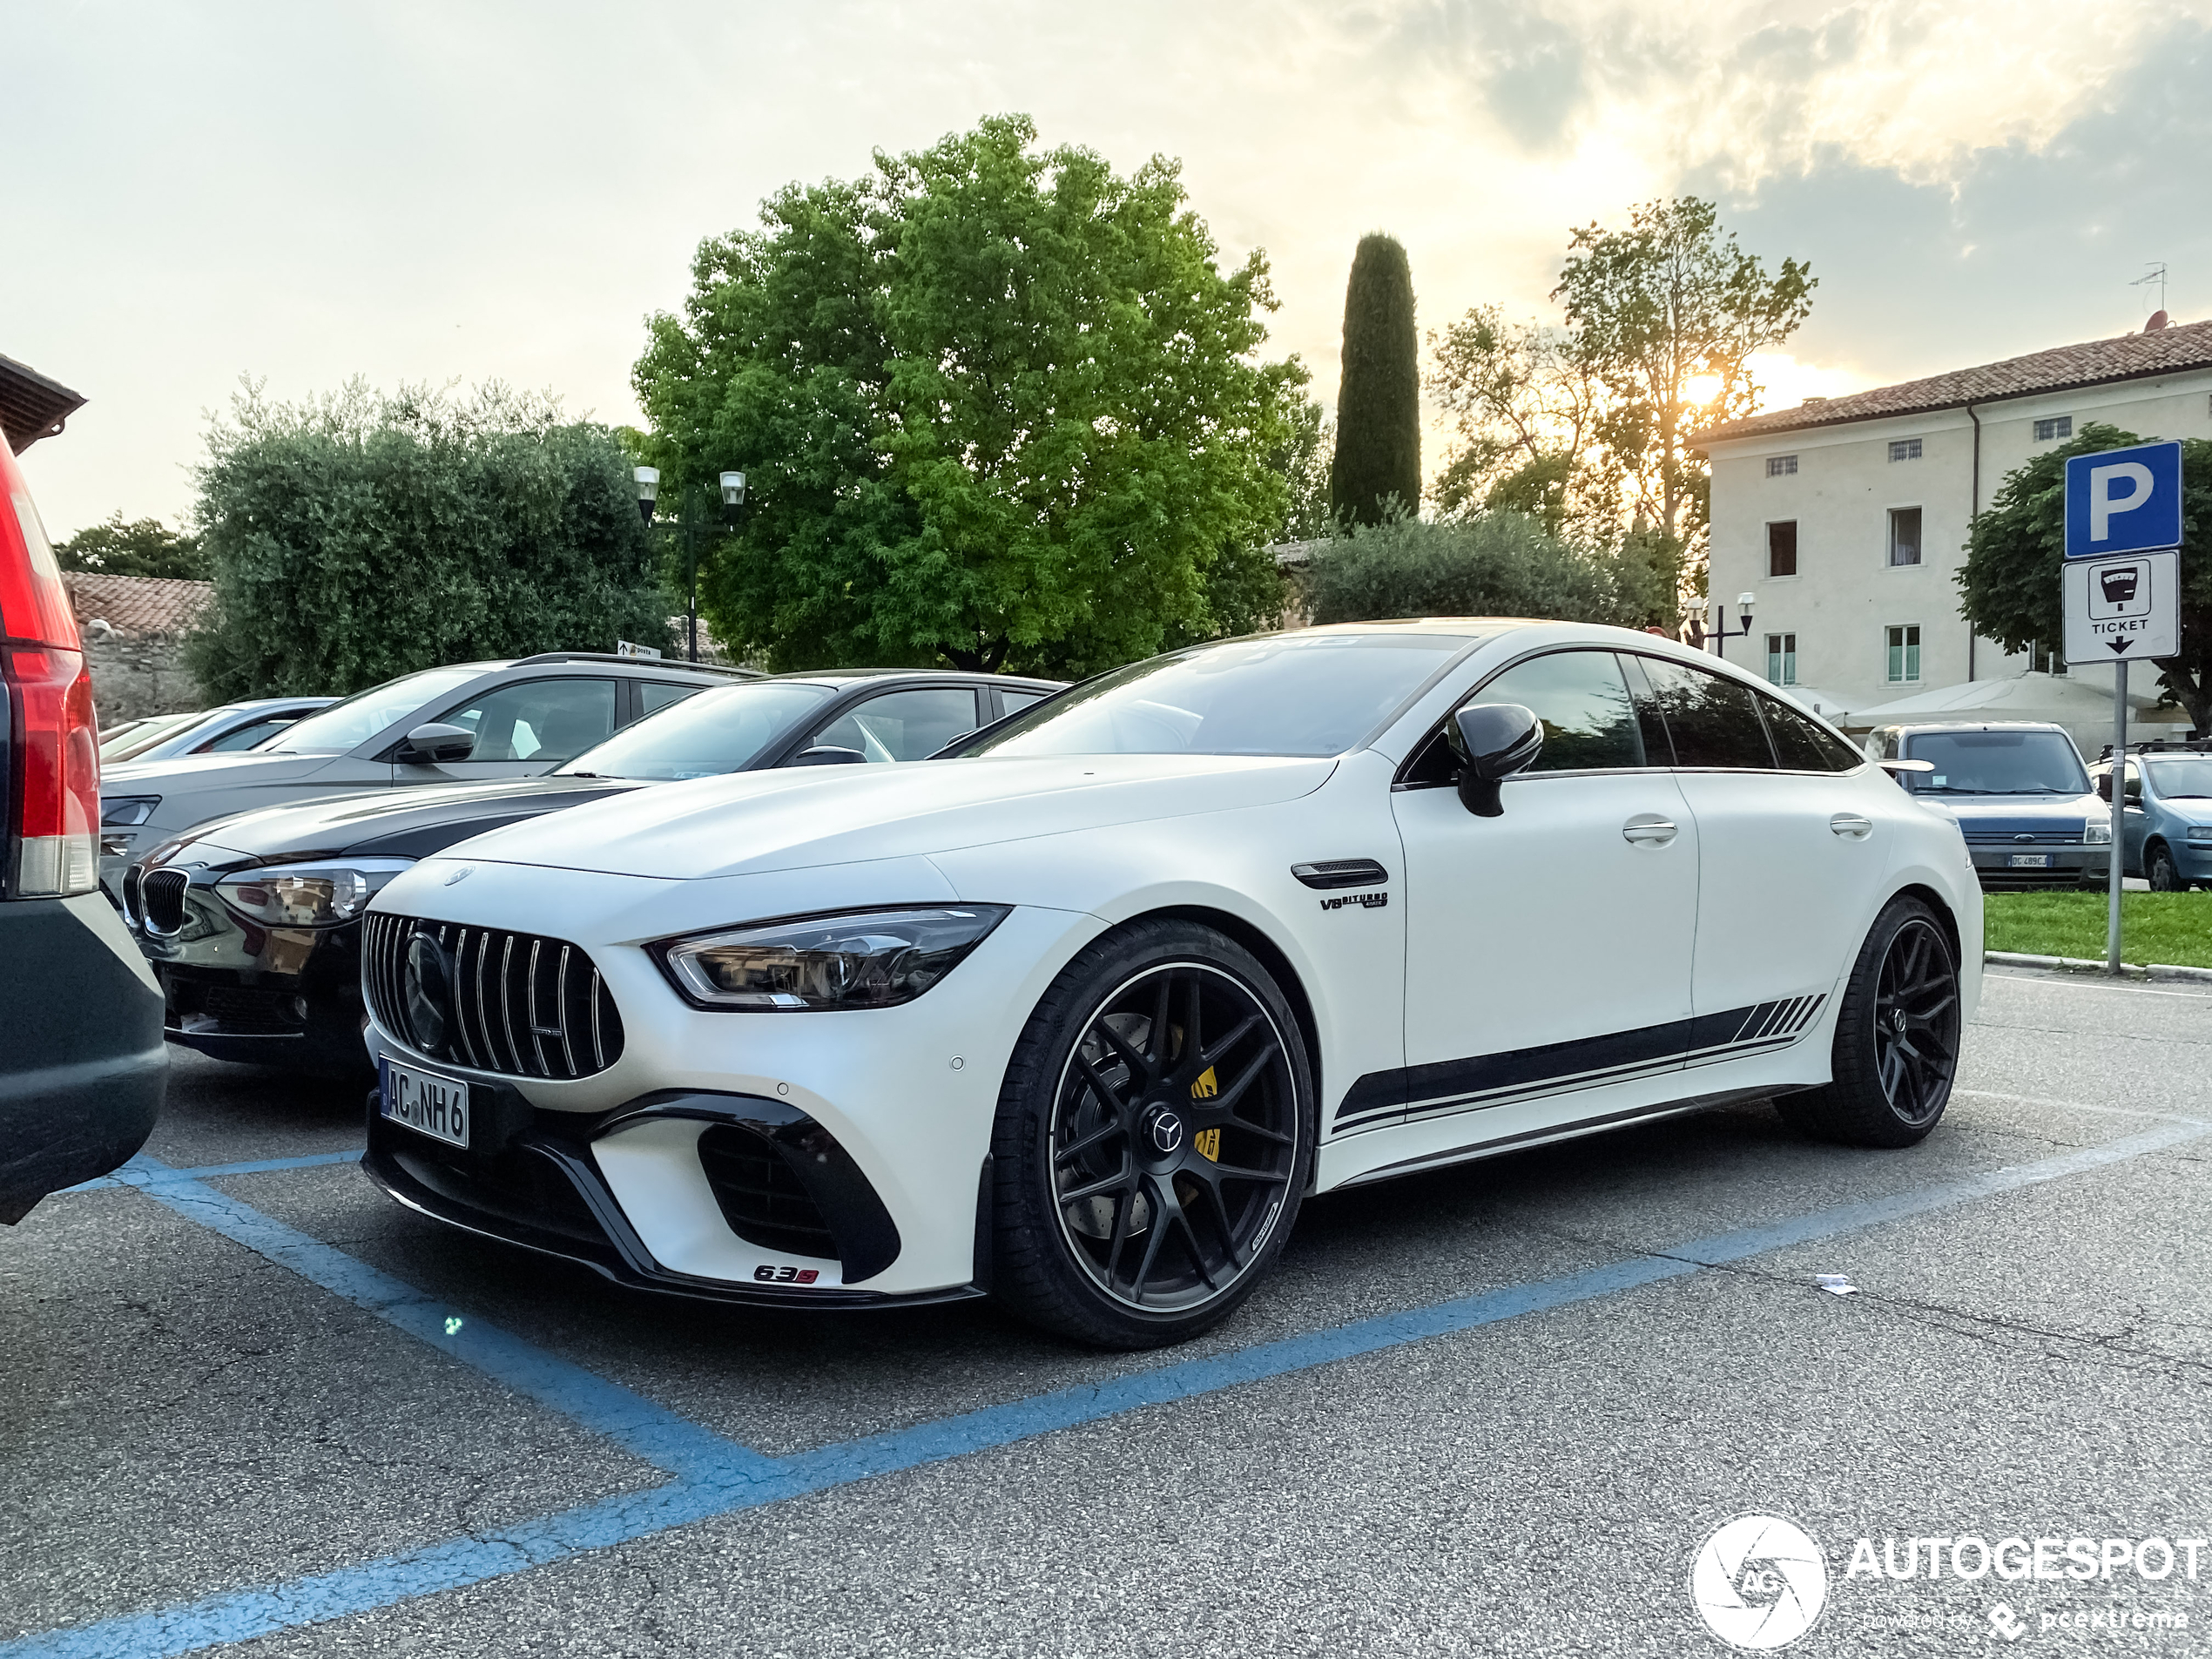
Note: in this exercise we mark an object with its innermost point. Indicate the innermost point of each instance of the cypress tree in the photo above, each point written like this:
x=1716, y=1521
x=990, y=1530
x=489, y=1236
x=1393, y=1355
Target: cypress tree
x=1379, y=402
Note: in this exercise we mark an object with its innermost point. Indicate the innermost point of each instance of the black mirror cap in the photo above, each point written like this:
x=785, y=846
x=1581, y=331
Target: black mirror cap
x=433, y=743
x=827, y=755
x=2104, y=787
x=1493, y=741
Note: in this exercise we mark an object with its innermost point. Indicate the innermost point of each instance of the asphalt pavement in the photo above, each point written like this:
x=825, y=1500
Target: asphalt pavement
x=1500, y=1409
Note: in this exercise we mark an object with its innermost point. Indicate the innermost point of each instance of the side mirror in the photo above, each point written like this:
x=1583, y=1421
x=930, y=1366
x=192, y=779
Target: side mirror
x=826, y=755
x=1493, y=741
x=2104, y=787
x=429, y=745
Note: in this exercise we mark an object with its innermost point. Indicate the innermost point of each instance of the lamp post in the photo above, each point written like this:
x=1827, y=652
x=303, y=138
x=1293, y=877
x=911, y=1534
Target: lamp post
x=1720, y=634
x=688, y=517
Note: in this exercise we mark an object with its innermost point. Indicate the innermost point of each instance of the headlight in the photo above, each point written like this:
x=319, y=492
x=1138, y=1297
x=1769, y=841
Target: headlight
x=308, y=895
x=2201, y=831
x=2097, y=835
x=873, y=958
x=127, y=811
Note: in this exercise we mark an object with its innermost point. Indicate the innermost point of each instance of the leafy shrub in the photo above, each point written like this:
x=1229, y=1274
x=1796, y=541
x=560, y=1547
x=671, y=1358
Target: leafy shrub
x=1491, y=564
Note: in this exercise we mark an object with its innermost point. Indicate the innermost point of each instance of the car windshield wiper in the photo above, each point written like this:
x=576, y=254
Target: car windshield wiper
x=1955, y=789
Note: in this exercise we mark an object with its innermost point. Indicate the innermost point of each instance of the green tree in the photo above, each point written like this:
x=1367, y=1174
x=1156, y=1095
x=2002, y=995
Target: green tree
x=1493, y=564
x=357, y=536
x=1666, y=316
x=1302, y=459
x=998, y=405
x=1379, y=400
x=2009, y=584
x=141, y=547
x=1526, y=406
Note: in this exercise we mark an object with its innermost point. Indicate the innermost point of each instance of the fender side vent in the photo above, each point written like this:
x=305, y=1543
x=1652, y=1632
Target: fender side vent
x=1340, y=873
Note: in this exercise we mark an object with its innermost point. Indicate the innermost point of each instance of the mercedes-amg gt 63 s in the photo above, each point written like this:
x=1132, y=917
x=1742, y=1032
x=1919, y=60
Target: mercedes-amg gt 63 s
x=1077, y=1016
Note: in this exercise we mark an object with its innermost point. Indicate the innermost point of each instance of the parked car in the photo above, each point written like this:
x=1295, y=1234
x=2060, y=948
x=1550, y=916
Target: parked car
x=253, y=923
x=2167, y=822
x=1078, y=1015
x=467, y=722
x=133, y=735
x=82, y=1069
x=231, y=729
x=2021, y=796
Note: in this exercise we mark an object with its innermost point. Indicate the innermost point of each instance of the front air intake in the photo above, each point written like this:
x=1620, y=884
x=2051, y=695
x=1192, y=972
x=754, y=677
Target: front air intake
x=498, y=1001
x=161, y=901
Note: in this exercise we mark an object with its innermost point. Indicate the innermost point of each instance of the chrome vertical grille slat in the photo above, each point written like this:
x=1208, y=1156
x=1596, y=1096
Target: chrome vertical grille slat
x=575, y=1028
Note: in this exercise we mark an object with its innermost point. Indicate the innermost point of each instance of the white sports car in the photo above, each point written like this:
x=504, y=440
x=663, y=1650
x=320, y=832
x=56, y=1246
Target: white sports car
x=1077, y=1016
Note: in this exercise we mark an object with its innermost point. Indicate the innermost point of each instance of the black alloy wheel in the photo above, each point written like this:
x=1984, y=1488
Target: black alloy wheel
x=1896, y=1050
x=1156, y=1119
x=2160, y=871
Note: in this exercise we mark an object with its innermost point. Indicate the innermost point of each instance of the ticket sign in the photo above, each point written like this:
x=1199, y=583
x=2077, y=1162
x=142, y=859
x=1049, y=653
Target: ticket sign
x=2123, y=501
x=2123, y=610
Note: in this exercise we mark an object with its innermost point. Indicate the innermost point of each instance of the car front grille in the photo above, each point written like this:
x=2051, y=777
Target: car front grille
x=515, y=1003
x=761, y=1196
x=161, y=901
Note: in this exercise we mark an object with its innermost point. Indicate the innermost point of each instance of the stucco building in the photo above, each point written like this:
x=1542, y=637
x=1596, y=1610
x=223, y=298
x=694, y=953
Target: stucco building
x=1846, y=517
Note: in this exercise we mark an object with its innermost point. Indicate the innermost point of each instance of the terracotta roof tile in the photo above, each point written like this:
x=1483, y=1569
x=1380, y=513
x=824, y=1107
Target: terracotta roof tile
x=2094, y=362
x=137, y=604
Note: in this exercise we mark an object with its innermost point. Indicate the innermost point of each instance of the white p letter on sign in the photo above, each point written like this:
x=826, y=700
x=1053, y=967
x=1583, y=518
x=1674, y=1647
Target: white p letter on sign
x=2103, y=504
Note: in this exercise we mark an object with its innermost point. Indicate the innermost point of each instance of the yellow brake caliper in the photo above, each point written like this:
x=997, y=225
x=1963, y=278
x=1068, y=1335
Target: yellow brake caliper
x=1208, y=1141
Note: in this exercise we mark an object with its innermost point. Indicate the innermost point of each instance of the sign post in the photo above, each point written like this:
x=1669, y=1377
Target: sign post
x=2120, y=591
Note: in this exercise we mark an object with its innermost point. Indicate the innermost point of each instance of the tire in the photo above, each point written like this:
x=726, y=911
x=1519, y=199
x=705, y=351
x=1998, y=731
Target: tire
x=1154, y=1136
x=2159, y=871
x=1897, y=1037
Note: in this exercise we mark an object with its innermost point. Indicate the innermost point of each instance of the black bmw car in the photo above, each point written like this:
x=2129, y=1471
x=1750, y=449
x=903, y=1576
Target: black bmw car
x=253, y=922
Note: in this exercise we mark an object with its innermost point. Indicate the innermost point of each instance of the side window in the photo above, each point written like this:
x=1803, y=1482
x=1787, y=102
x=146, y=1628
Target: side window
x=901, y=725
x=1801, y=744
x=545, y=720
x=1014, y=702
x=1589, y=720
x=1713, y=722
x=244, y=737
x=656, y=695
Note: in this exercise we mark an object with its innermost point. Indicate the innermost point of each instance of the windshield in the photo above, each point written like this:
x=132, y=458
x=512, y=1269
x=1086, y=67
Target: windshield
x=1995, y=763
x=2179, y=776
x=1286, y=694
x=715, y=732
x=364, y=714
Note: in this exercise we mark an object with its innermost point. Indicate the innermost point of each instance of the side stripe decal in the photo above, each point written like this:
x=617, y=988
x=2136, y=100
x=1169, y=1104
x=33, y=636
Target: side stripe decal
x=1584, y=1062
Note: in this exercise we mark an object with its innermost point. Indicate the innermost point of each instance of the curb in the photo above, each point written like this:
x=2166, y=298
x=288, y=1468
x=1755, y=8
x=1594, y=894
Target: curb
x=2076, y=965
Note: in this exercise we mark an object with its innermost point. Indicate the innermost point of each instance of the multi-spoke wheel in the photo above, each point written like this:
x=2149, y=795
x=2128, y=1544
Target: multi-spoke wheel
x=1897, y=1036
x=1153, y=1138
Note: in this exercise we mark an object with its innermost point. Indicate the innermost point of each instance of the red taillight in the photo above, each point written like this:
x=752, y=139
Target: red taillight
x=54, y=845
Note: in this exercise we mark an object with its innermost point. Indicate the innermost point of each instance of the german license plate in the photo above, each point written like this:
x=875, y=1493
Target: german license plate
x=426, y=1102
x=2031, y=861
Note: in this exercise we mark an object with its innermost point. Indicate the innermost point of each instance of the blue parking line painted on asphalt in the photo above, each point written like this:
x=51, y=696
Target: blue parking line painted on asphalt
x=134, y=1174
x=650, y=1432
x=750, y=1480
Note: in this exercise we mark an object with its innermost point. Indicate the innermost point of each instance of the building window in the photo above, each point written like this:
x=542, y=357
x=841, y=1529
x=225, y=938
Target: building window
x=1781, y=466
x=1905, y=449
x=1782, y=547
x=1782, y=659
x=2058, y=427
x=1904, y=535
x=1904, y=653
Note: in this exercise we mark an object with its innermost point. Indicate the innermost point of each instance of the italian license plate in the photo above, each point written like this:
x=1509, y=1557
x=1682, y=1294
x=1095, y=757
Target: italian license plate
x=426, y=1102
x=2031, y=861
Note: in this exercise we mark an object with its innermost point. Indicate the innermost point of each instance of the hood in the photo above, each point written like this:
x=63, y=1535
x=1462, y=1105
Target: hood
x=1980, y=815
x=798, y=816
x=409, y=823
x=209, y=772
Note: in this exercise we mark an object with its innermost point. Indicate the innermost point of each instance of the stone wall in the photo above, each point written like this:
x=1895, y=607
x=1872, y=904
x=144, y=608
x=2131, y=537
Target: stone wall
x=137, y=675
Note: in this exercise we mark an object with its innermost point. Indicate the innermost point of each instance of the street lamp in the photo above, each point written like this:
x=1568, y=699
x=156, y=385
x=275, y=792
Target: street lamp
x=1720, y=634
x=688, y=517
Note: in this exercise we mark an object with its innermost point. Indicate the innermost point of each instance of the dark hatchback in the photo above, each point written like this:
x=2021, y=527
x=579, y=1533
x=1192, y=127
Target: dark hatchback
x=2021, y=793
x=253, y=924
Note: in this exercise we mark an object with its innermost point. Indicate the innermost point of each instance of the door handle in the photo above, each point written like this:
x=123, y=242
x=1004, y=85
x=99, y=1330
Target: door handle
x=1852, y=827
x=1649, y=829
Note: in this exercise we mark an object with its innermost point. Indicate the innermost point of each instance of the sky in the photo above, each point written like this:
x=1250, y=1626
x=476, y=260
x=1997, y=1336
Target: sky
x=467, y=191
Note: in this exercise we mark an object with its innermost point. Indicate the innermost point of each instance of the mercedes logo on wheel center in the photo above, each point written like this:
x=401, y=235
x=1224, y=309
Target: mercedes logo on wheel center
x=1165, y=1129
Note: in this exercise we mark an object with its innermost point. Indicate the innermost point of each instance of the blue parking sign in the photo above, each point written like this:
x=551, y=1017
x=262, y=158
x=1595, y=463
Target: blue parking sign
x=2123, y=501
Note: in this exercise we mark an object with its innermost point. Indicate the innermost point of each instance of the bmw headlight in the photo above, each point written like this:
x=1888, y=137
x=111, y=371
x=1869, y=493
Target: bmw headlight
x=872, y=959
x=127, y=811
x=2097, y=832
x=308, y=895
